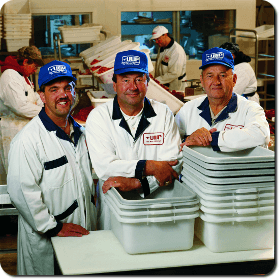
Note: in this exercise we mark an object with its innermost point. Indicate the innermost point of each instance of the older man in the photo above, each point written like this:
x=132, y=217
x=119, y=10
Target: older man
x=223, y=120
x=50, y=174
x=135, y=141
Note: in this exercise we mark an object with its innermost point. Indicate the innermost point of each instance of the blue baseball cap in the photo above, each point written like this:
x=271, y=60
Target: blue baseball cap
x=217, y=55
x=130, y=61
x=53, y=70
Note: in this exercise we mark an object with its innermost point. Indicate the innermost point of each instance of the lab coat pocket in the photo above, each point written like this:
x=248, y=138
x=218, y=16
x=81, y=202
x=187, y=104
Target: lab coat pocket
x=57, y=172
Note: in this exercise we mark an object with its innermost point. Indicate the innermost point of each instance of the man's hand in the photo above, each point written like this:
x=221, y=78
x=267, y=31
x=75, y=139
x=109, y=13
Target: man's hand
x=122, y=183
x=162, y=170
x=201, y=137
x=70, y=229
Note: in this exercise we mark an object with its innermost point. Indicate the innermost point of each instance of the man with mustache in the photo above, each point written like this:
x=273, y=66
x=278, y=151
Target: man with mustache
x=133, y=141
x=223, y=120
x=50, y=174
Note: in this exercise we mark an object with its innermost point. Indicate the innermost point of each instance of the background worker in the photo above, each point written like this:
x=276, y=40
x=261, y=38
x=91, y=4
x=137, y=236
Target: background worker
x=223, y=120
x=135, y=141
x=246, y=84
x=18, y=101
x=171, y=60
x=50, y=175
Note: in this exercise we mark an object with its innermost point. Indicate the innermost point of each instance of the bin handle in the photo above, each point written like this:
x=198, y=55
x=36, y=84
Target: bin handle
x=160, y=205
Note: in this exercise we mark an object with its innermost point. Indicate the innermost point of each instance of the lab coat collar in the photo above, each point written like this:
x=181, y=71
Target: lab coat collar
x=205, y=114
x=51, y=126
x=168, y=46
x=147, y=112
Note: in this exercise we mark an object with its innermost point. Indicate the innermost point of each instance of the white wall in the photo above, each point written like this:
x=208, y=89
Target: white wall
x=108, y=12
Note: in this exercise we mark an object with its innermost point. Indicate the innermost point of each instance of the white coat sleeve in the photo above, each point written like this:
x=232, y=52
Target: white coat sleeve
x=102, y=149
x=169, y=151
x=254, y=133
x=13, y=96
x=175, y=67
x=180, y=119
x=24, y=174
x=242, y=82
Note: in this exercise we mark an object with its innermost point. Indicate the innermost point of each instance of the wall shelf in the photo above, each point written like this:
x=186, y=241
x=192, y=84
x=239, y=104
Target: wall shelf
x=263, y=78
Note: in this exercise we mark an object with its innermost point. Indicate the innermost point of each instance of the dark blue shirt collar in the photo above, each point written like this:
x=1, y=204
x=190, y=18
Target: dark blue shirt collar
x=147, y=112
x=230, y=108
x=51, y=126
x=168, y=46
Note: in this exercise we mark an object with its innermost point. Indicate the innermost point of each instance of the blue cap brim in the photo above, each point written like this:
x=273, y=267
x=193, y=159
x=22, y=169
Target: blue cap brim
x=216, y=63
x=126, y=70
x=57, y=76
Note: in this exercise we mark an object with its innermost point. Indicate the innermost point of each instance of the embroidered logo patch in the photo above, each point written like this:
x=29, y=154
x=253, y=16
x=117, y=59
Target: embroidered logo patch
x=230, y=127
x=56, y=69
x=166, y=59
x=214, y=56
x=153, y=138
x=130, y=60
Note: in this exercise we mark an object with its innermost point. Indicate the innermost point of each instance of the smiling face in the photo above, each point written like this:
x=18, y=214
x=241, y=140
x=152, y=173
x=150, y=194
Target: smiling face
x=131, y=89
x=58, y=98
x=218, y=82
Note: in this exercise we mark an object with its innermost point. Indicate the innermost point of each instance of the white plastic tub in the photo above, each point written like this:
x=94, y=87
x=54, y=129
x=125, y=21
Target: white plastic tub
x=233, y=195
x=15, y=44
x=106, y=52
x=235, y=234
x=158, y=93
x=151, y=212
x=80, y=33
x=85, y=79
x=96, y=97
x=110, y=57
x=176, y=193
x=190, y=177
x=114, y=40
x=251, y=155
x=150, y=65
x=227, y=180
x=148, y=235
x=227, y=166
x=228, y=172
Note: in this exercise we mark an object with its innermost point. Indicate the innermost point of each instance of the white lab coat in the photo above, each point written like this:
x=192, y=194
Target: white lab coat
x=18, y=104
x=246, y=81
x=49, y=181
x=118, y=153
x=240, y=126
x=171, y=66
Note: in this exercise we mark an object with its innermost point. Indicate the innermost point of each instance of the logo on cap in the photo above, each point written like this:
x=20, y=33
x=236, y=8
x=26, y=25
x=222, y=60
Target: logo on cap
x=215, y=56
x=56, y=69
x=130, y=60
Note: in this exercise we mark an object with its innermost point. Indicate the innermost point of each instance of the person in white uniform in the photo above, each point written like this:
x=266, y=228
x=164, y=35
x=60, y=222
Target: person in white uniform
x=246, y=84
x=18, y=101
x=223, y=120
x=50, y=175
x=170, y=67
x=133, y=141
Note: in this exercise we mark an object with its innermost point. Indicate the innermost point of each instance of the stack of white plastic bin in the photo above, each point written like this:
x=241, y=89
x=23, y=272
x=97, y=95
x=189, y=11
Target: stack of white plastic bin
x=236, y=193
x=17, y=30
x=164, y=221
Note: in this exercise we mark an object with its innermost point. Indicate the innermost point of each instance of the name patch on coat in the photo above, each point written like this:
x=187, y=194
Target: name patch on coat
x=230, y=127
x=153, y=138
